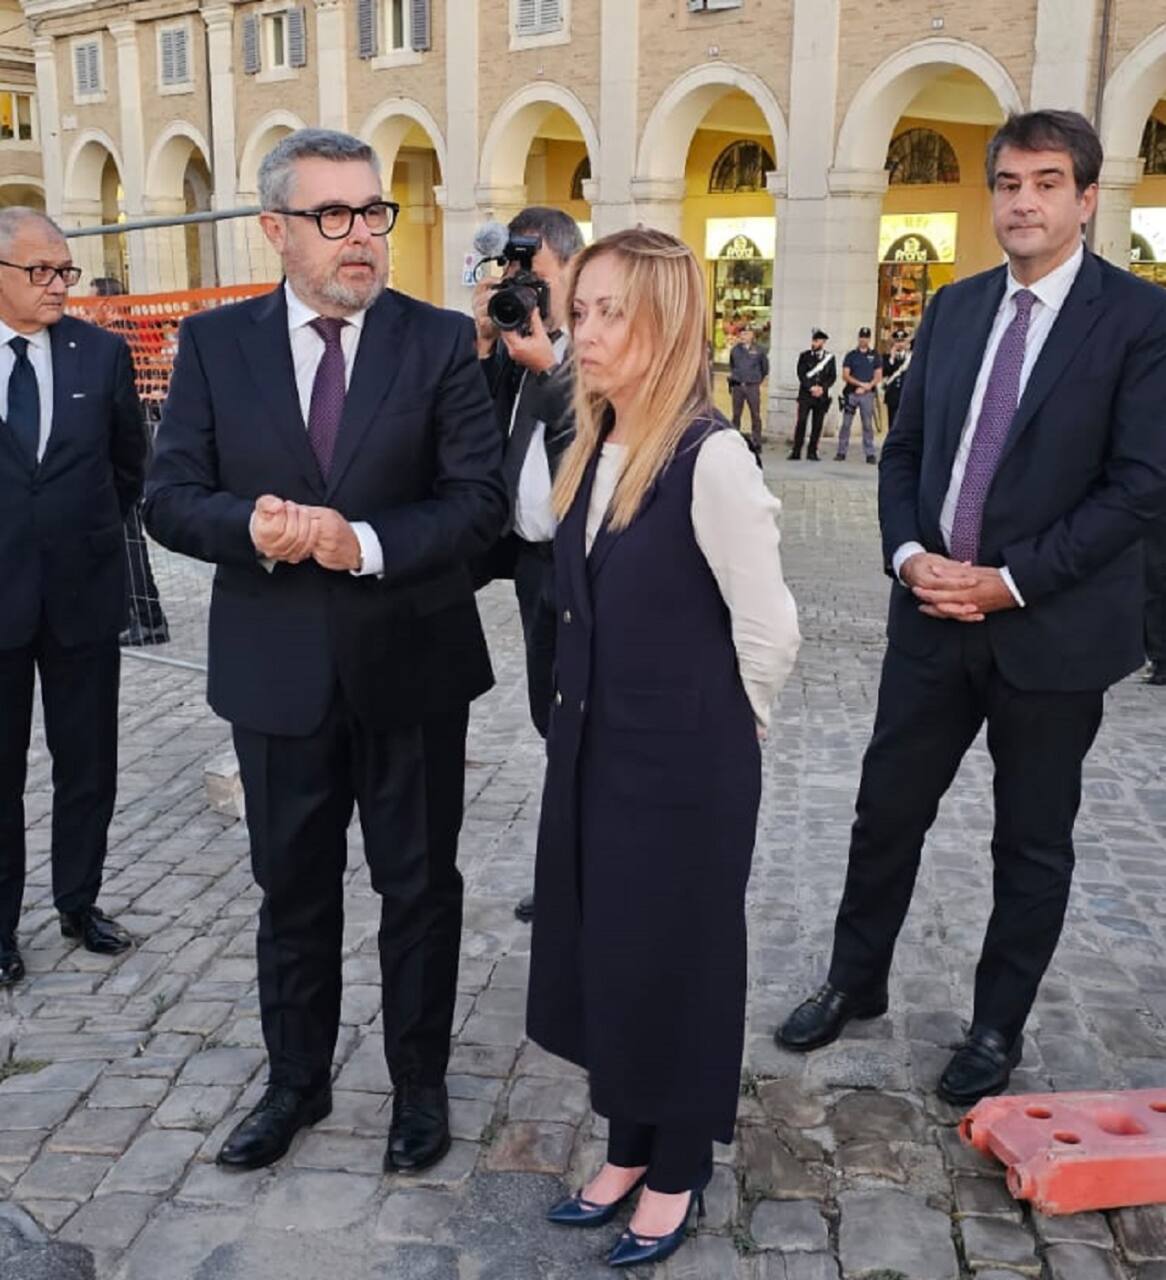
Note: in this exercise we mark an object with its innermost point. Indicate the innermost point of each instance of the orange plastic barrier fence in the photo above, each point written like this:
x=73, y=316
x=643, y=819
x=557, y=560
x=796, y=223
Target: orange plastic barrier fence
x=149, y=323
x=1072, y=1152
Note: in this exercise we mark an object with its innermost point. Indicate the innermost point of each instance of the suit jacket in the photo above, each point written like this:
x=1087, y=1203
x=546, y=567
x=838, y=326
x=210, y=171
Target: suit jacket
x=62, y=551
x=1082, y=475
x=808, y=361
x=417, y=457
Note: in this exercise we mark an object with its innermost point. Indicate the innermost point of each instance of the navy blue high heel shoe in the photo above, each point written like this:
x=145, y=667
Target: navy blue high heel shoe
x=577, y=1212
x=632, y=1250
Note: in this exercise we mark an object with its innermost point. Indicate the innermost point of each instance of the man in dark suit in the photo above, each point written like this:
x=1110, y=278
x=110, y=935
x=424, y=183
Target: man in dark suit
x=817, y=373
x=1026, y=463
x=331, y=447
x=72, y=452
x=532, y=382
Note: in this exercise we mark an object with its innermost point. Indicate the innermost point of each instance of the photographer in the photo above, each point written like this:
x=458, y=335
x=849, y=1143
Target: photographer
x=532, y=385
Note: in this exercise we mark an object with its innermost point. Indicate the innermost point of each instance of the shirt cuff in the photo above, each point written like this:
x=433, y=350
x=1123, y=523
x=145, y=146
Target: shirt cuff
x=372, y=555
x=1006, y=574
x=904, y=553
x=266, y=561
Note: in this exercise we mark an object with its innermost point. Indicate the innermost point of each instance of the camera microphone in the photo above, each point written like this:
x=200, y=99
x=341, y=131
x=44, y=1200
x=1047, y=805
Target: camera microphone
x=491, y=239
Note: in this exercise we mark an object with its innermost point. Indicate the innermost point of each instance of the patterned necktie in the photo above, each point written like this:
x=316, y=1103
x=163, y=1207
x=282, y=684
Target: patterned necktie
x=328, y=390
x=24, y=400
x=1001, y=397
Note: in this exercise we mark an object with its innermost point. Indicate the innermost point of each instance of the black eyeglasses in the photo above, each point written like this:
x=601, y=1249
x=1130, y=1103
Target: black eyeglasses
x=42, y=274
x=335, y=221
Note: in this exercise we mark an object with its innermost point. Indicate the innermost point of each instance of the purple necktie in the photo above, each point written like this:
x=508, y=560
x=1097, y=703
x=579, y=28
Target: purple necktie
x=327, y=404
x=1001, y=397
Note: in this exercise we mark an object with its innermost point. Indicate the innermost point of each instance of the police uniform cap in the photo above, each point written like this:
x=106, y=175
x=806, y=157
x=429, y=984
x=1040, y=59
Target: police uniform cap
x=899, y=335
x=818, y=333
x=864, y=332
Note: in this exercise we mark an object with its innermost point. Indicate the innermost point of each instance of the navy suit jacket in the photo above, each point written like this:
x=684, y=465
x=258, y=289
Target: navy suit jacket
x=62, y=551
x=417, y=457
x=1082, y=476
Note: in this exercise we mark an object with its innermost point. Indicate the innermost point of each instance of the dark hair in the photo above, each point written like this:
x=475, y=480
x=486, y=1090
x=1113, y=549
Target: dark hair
x=559, y=231
x=106, y=286
x=1050, y=131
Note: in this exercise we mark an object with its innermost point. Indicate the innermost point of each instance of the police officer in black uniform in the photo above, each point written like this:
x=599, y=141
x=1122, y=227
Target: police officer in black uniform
x=895, y=364
x=817, y=373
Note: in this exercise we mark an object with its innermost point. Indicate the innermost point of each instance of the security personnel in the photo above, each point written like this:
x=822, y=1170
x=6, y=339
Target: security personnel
x=862, y=371
x=895, y=364
x=748, y=369
x=817, y=373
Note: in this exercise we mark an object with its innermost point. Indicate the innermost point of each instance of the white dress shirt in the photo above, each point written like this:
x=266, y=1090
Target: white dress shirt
x=534, y=519
x=734, y=518
x=307, y=349
x=1051, y=292
x=40, y=356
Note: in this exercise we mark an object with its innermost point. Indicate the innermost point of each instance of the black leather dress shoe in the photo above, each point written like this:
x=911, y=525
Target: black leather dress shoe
x=419, y=1132
x=525, y=909
x=1157, y=673
x=819, y=1020
x=266, y=1132
x=980, y=1067
x=95, y=931
x=11, y=962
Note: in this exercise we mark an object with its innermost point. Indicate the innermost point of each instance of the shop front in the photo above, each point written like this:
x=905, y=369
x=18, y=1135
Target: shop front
x=739, y=256
x=1148, y=244
x=916, y=257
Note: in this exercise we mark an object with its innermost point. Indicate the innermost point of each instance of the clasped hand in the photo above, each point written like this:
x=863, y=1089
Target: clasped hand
x=949, y=589
x=288, y=531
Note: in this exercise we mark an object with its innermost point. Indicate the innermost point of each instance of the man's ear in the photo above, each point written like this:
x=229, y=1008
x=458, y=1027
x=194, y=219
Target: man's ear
x=1089, y=202
x=275, y=229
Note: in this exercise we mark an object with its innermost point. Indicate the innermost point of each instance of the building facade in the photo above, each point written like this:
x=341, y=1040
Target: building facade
x=823, y=158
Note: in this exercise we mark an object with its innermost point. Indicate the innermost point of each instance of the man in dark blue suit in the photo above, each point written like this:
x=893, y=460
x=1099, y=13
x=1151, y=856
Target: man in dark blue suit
x=331, y=447
x=1026, y=463
x=72, y=452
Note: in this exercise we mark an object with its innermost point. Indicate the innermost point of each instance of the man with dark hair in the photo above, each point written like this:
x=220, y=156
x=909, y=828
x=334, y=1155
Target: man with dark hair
x=817, y=372
x=1026, y=464
x=862, y=372
x=896, y=362
x=531, y=381
x=748, y=369
x=330, y=447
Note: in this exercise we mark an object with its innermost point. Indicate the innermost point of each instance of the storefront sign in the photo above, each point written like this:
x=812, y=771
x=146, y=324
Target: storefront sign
x=917, y=237
x=740, y=238
x=1148, y=231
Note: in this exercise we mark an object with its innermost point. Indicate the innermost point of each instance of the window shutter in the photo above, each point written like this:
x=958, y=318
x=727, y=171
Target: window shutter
x=527, y=20
x=167, y=57
x=86, y=67
x=695, y=6
x=550, y=15
x=297, y=38
x=366, y=28
x=181, y=56
x=419, y=30
x=723, y=4
x=251, y=44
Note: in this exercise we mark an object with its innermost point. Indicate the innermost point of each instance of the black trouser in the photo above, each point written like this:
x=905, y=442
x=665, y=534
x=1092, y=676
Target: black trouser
x=678, y=1158
x=143, y=604
x=748, y=393
x=79, y=695
x=814, y=408
x=929, y=711
x=891, y=401
x=408, y=786
x=1155, y=552
x=534, y=584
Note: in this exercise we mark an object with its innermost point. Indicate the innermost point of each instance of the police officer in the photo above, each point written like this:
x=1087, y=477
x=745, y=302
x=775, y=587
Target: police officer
x=817, y=373
x=862, y=371
x=748, y=369
x=895, y=364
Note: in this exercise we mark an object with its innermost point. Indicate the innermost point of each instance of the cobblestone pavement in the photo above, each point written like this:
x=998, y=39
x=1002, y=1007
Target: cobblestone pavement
x=124, y=1076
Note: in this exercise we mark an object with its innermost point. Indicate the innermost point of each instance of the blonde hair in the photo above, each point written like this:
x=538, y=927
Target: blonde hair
x=662, y=296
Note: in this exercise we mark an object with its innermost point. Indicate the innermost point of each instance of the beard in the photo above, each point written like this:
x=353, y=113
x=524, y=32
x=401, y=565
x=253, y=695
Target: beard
x=325, y=284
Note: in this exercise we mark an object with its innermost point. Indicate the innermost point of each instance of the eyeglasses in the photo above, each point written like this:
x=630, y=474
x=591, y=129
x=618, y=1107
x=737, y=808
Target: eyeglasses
x=335, y=221
x=43, y=275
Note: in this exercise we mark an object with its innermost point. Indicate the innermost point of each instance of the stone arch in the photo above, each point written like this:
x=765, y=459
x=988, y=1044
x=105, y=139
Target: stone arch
x=266, y=133
x=675, y=118
x=86, y=164
x=388, y=124
x=888, y=91
x=513, y=129
x=1133, y=89
x=169, y=157
x=22, y=189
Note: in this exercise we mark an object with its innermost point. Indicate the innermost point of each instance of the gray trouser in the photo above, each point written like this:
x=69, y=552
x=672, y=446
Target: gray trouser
x=748, y=393
x=864, y=401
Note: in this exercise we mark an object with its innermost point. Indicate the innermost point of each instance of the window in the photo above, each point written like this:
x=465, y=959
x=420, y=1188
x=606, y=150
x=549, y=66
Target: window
x=275, y=42
x=276, y=25
x=87, y=79
x=174, y=56
x=15, y=116
x=707, y=6
x=397, y=24
x=921, y=156
x=1153, y=148
x=742, y=166
x=538, y=17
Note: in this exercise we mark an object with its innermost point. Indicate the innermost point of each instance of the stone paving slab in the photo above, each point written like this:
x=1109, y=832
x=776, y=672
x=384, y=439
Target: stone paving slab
x=120, y=1077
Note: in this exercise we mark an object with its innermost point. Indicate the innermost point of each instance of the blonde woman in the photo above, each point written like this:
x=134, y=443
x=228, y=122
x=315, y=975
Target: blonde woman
x=675, y=632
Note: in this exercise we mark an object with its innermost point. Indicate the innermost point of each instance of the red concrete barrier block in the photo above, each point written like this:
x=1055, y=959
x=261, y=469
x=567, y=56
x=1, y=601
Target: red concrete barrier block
x=1072, y=1152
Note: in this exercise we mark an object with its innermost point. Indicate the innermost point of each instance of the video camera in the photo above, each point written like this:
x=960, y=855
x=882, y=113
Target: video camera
x=517, y=295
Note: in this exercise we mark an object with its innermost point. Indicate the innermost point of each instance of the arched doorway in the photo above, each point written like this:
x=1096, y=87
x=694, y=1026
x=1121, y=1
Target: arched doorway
x=178, y=182
x=1148, y=216
x=27, y=192
x=252, y=259
x=94, y=196
x=412, y=154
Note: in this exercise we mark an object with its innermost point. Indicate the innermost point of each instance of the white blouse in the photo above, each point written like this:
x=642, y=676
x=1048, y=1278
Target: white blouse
x=734, y=518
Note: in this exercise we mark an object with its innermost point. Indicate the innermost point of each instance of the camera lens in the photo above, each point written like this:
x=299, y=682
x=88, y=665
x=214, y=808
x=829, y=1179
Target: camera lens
x=511, y=305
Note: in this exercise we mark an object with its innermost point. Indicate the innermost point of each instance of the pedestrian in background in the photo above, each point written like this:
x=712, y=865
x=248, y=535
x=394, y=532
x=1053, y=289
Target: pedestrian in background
x=748, y=369
x=862, y=372
x=817, y=372
x=675, y=633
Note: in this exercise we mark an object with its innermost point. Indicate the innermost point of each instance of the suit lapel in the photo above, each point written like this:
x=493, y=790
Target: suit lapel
x=571, y=542
x=967, y=357
x=267, y=351
x=378, y=364
x=67, y=345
